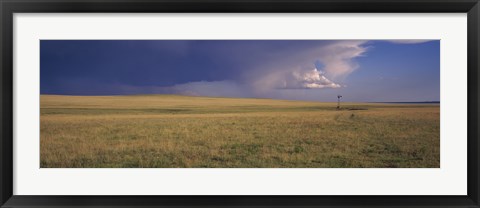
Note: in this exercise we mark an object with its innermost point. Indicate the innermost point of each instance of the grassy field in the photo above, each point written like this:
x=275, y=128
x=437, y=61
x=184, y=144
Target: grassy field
x=169, y=131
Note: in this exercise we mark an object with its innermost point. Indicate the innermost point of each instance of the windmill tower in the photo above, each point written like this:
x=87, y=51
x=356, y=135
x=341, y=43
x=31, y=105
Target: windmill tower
x=338, y=103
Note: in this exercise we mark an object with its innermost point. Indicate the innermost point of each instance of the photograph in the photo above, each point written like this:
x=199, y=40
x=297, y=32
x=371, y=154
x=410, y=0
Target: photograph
x=226, y=103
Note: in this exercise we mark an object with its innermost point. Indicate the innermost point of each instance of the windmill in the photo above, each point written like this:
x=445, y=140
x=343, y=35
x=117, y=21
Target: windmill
x=338, y=104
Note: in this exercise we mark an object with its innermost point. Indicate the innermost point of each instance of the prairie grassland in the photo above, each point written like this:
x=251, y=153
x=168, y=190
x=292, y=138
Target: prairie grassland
x=168, y=131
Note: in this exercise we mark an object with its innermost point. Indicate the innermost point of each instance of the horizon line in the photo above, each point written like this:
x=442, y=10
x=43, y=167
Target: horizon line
x=110, y=95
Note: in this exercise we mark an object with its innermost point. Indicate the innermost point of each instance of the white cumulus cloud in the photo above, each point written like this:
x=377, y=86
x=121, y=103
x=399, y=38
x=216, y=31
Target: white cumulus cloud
x=298, y=70
x=308, y=79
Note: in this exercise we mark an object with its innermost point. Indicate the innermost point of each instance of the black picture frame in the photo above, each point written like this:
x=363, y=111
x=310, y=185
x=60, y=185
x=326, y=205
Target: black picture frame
x=9, y=7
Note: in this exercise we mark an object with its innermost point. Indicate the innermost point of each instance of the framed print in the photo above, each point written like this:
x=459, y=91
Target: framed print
x=241, y=103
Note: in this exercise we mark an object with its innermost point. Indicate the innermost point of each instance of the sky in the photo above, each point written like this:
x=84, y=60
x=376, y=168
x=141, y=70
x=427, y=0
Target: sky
x=318, y=70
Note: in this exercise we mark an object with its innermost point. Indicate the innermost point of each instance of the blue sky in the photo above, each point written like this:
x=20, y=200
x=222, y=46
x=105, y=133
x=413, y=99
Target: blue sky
x=359, y=70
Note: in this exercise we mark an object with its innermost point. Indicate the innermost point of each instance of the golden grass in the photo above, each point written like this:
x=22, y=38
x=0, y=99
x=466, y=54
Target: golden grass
x=171, y=131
